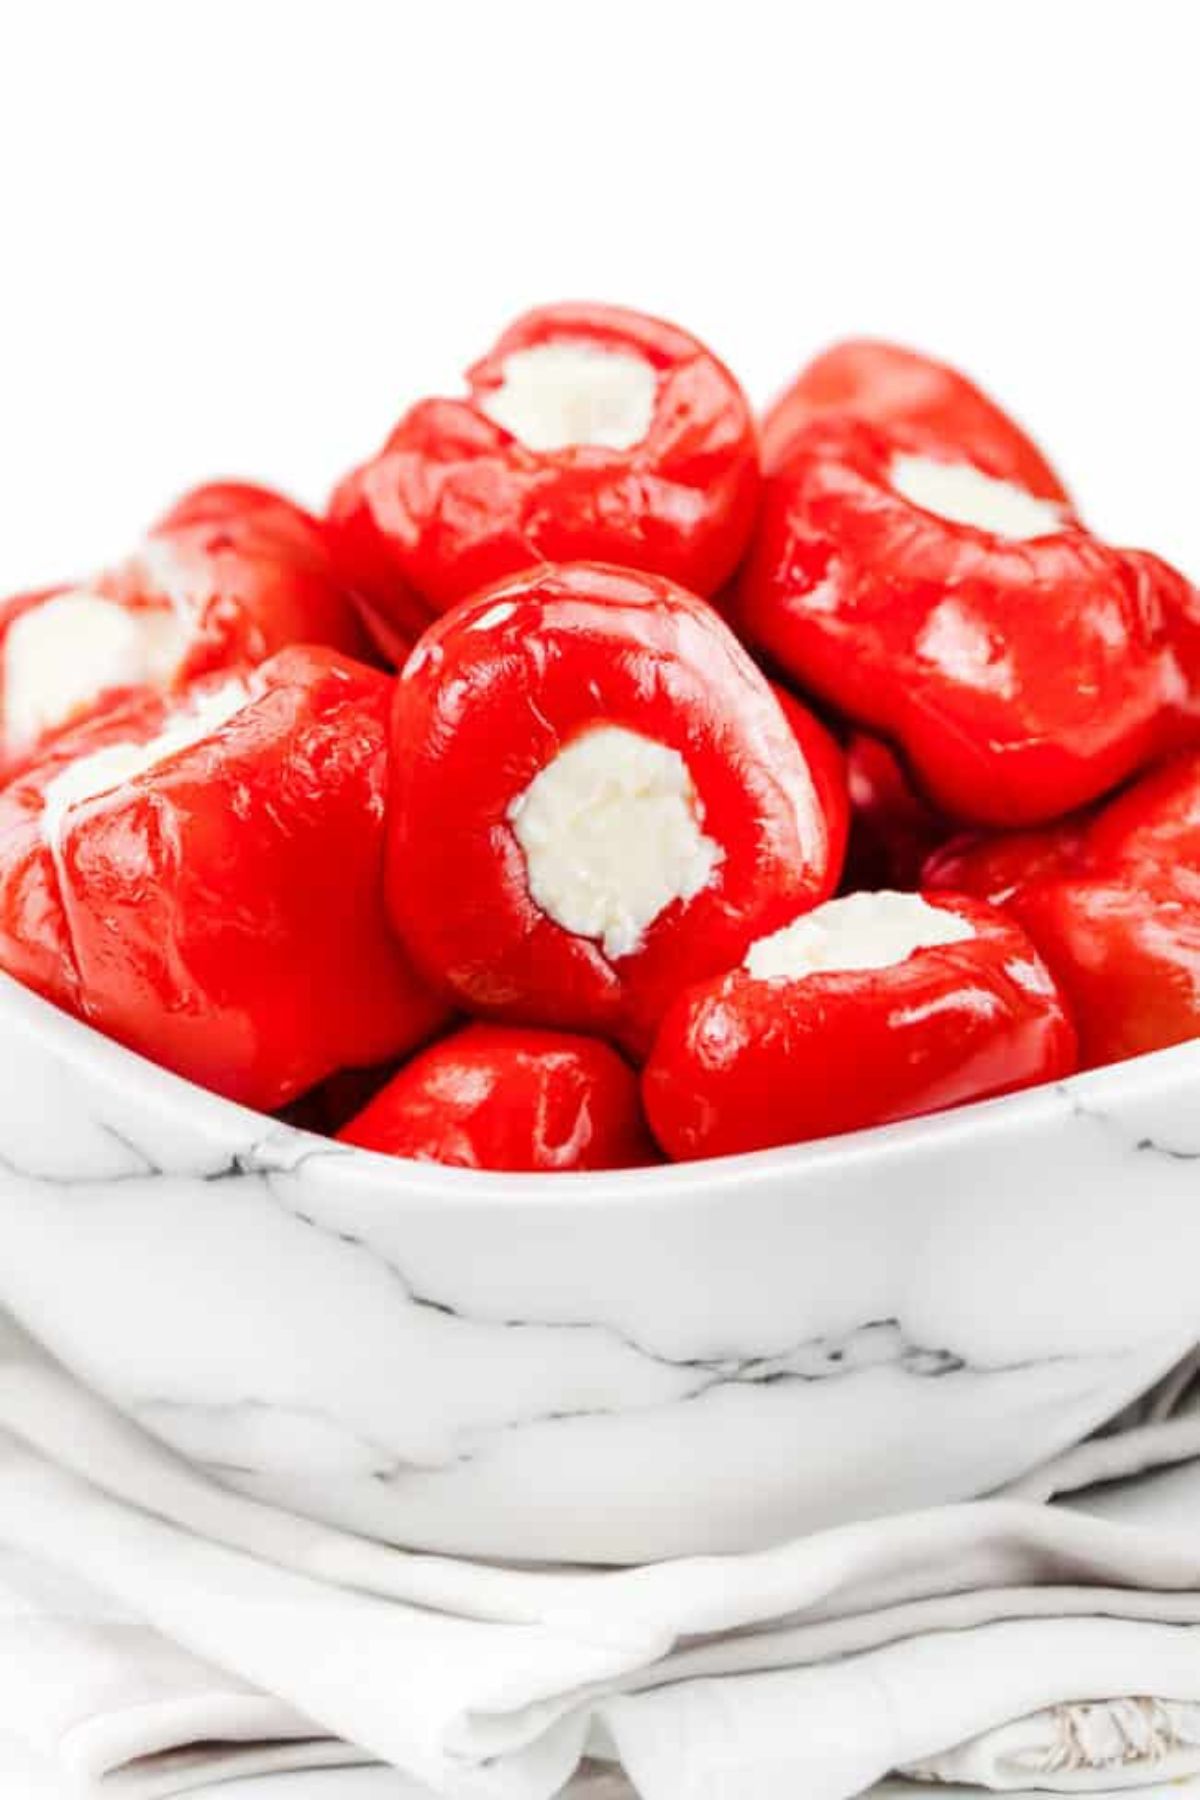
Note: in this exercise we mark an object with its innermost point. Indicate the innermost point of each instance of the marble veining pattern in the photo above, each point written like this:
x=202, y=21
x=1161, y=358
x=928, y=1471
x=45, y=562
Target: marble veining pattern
x=609, y=1370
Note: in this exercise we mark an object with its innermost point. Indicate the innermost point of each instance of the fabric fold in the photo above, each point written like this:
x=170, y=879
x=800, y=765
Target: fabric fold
x=164, y=1629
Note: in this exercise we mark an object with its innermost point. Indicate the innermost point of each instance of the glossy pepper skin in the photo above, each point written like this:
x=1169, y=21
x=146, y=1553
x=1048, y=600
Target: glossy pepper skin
x=258, y=570
x=745, y=1064
x=231, y=574
x=490, y=697
x=995, y=867
x=1125, y=950
x=222, y=913
x=1020, y=678
x=454, y=501
x=828, y=767
x=1156, y=821
x=1112, y=900
x=1153, y=822
x=508, y=1098
x=885, y=384
x=893, y=829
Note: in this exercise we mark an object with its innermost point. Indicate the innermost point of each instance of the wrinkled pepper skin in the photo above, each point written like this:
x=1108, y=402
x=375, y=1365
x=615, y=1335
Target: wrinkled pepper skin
x=744, y=1064
x=893, y=829
x=455, y=502
x=885, y=384
x=508, y=1098
x=1155, y=821
x=255, y=573
x=994, y=868
x=1112, y=900
x=223, y=912
x=243, y=571
x=257, y=569
x=489, y=698
x=1021, y=679
x=1125, y=949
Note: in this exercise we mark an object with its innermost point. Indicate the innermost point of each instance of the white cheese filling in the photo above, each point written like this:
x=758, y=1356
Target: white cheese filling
x=571, y=392
x=116, y=764
x=611, y=834
x=62, y=654
x=861, y=931
x=964, y=495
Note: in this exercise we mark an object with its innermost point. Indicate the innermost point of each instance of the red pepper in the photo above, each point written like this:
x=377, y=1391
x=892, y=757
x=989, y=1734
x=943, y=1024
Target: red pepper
x=1125, y=949
x=505, y=1097
x=993, y=868
x=893, y=829
x=1112, y=901
x=642, y=452
x=256, y=571
x=220, y=911
x=828, y=767
x=1022, y=676
x=884, y=384
x=596, y=798
x=760, y=1056
x=1157, y=820
x=230, y=575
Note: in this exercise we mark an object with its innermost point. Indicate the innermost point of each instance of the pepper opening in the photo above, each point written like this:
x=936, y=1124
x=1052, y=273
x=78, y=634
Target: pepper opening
x=572, y=392
x=964, y=495
x=611, y=834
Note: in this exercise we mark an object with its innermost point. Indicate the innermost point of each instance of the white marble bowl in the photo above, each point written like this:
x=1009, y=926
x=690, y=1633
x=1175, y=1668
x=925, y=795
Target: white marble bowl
x=609, y=1367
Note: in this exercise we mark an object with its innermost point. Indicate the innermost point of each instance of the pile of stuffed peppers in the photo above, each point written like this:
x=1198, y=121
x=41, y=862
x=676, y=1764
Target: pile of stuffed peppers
x=609, y=775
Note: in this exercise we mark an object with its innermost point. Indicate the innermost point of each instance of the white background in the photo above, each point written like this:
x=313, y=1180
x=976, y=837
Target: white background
x=236, y=236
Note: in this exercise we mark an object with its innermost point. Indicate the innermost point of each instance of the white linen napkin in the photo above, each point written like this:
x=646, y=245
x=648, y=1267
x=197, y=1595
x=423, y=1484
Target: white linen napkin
x=155, y=1628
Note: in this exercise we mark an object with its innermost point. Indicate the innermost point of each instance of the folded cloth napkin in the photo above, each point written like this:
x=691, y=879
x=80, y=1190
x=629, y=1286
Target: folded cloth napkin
x=156, y=1631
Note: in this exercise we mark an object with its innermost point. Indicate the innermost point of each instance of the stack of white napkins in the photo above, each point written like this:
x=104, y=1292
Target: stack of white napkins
x=157, y=1633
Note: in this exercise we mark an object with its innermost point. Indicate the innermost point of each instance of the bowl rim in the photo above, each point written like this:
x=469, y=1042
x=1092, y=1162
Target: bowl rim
x=114, y=1065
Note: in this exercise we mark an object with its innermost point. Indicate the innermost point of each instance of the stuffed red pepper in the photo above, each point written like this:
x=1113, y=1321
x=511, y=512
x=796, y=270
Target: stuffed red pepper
x=230, y=575
x=1125, y=950
x=1023, y=667
x=596, y=797
x=202, y=879
x=885, y=384
x=1154, y=822
x=588, y=432
x=506, y=1097
x=873, y=1008
x=1112, y=901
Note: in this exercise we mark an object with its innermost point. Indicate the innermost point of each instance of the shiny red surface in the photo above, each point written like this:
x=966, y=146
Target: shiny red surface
x=35, y=939
x=257, y=569
x=480, y=710
x=893, y=829
x=223, y=913
x=885, y=384
x=827, y=765
x=1112, y=900
x=1157, y=820
x=505, y=1097
x=1021, y=679
x=1125, y=949
x=1154, y=821
x=454, y=502
x=742, y=1064
x=253, y=572
x=994, y=868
